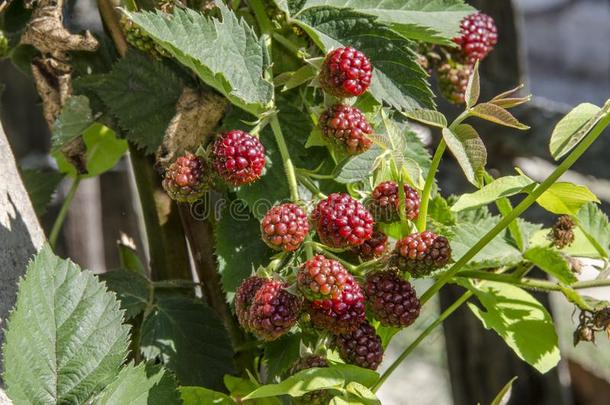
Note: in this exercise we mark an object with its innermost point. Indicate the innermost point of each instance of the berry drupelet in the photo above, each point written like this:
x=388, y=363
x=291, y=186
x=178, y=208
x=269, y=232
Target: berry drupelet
x=391, y=298
x=347, y=128
x=421, y=253
x=285, y=227
x=238, y=157
x=384, y=203
x=187, y=178
x=346, y=72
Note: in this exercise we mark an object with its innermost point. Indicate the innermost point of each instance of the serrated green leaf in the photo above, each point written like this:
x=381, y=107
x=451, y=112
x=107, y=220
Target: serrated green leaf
x=566, y=198
x=473, y=88
x=357, y=168
x=502, y=187
x=225, y=54
x=440, y=212
x=41, y=185
x=314, y=379
x=436, y=21
x=301, y=76
x=398, y=79
x=494, y=113
x=144, y=384
x=567, y=133
x=65, y=340
x=551, y=262
x=187, y=336
x=428, y=117
x=469, y=150
x=132, y=290
x=281, y=354
x=74, y=118
x=200, y=395
x=503, y=396
x=522, y=321
x=594, y=224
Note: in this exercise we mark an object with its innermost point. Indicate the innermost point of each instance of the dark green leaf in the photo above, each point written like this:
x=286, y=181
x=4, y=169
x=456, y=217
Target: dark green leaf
x=132, y=290
x=201, y=396
x=41, y=185
x=74, y=119
x=357, y=168
x=282, y=353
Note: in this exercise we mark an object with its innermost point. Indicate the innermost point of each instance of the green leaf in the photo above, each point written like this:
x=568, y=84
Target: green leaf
x=494, y=113
x=469, y=150
x=569, y=130
x=240, y=387
x=239, y=247
x=104, y=149
x=129, y=259
x=132, y=289
x=225, y=54
x=281, y=354
x=65, y=340
x=551, y=262
x=428, y=117
x=74, y=118
x=473, y=88
x=357, y=394
x=314, y=379
x=357, y=168
x=522, y=321
x=142, y=95
x=594, y=224
x=200, y=395
x=398, y=79
x=440, y=212
x=504, y=394
x=502, y=187
x=566, y=198
x=301, y=76
x=417, y=151
x=41, y=185
x=435, y=21
x=144, y=384
x=187, y=336
x=499, y=252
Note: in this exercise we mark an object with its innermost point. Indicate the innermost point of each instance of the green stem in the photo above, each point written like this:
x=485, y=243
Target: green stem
x=286, y=43
x=306, y=181
x=288, y=166
x=322, y=249
x=261, y=16
x=444, y=315
x=520, y=209
x=425, y=200
x=63, y=212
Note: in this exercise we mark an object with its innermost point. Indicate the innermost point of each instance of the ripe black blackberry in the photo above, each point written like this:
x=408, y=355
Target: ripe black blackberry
x=391, y=298
x=453, y=79
x=285, y=227
x=384, y=203
x=243, y=299
x=361, y=347
x=347, y=128
x=274, y=311
x=187, y=178
x=321, y=278
x=320, y=397
x=421, y=253
x=346, y=72
x=238, y=157
x=478, y=36
x=374, y=247
x=562, y=233
x=342, y=222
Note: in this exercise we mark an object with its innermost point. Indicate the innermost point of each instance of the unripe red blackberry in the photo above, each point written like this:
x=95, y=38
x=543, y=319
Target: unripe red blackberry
x=361, y=347
x=384, y=203
x=239, y=158
x=285, y=227
x=244, y=297
x=374, y=247
x=453, y=80
x=346, y=127
x=320, y=397
x=274, y=311
x=421, y=253
x=391, y=298
x=478, y=36
x=339, y=315
x=342, y=222
x=321, y=278
x=187, y=178
x=140, y=39
x=562, y=233
x=346, y=72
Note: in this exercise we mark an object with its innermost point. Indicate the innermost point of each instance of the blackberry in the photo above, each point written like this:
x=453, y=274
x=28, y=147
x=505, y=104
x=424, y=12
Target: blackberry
x=274, y=311
x=187, y=178
x=342, y=222
x=391, y=298
x=453, y=80
x=285, y=227
x=346, y=127
x=361, y=347
x=421, y=253
x=478, y=36
x=374, y=247
x=238, y=157
x=346, y=72
x=321, y=278
x=320, y=397
x=562, y=233
x=244, y=297
x=384, y=203
x=338, y=315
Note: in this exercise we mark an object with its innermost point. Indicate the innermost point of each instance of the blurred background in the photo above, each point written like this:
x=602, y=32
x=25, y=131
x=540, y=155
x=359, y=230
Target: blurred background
x=561, y=50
